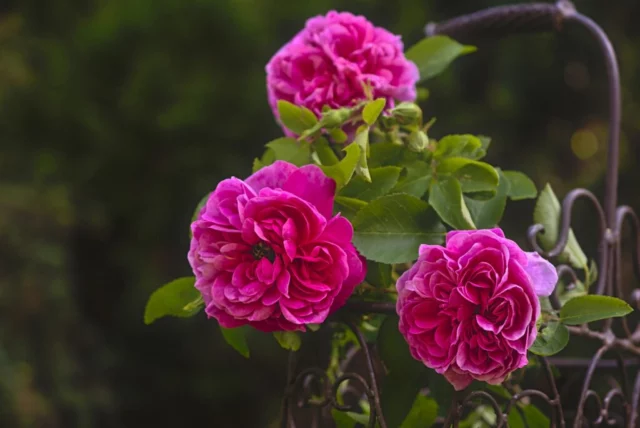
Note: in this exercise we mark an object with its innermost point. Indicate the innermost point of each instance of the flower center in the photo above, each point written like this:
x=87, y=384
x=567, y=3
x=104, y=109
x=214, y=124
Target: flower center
x=261, y=250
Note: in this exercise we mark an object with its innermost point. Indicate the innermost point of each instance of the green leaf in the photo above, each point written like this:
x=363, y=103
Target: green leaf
x=488, y=213
x=236, y=337
x=338, y=135
x=348, y=207
x=379, y=274
x=349, y=419
x=484, y=141
x=257, y=165
x=520, y=186
x=465, y=145
x=394, y=350
x=547, y=213
x=552, y=339
x=372, y=110
x=423, y=413
x=585, y=309
x=500, y=391
x=382, y=180
x=442, y=392
x=383, y=154
x=434, y=54
x=194, y=305
x=171, y=299
x=199, y=207
x=514, y=419
x=342, y=420
x=565, y=295
x=289, y=340
x=296, y=119
x=362, y=141
x=343, y=170
x=445, y=196
x=534, y=417
x=290, y=150
x=482, y=416
x=474, y=176
x=591, y=274
x=325, y=153
x=268, y=157
x=415, y=179
x=391, y=228
x=405, y=375
x=398, y=393
x=359, y=418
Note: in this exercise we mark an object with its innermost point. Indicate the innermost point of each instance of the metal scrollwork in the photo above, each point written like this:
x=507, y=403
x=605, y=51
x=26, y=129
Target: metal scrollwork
x=301, y=387
x=619, y=405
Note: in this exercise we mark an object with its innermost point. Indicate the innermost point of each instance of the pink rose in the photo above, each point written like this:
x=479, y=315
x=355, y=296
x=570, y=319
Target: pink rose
x=268, y=252
x=469, y=310
x=328, y=61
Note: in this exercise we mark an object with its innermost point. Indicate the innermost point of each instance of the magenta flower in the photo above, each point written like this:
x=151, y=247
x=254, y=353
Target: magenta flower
x=329, y=60
x=268, y=252
x=469, y=310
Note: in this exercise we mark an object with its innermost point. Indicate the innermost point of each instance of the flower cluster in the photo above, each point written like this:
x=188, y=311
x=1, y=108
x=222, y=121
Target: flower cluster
x=270, y=252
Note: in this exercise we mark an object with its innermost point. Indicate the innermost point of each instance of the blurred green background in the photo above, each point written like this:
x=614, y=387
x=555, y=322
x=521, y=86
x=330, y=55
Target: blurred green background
x=117, y=116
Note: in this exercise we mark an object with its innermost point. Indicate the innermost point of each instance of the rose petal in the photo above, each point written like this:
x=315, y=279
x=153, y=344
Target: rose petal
x=543, y=275
x=312, y=185
x=273, y=176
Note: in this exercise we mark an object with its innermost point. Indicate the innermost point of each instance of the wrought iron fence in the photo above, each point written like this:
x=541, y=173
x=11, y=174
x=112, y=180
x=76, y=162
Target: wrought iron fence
x=618, y=406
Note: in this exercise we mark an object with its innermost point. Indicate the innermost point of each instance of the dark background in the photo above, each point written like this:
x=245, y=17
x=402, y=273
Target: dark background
x=117, y=116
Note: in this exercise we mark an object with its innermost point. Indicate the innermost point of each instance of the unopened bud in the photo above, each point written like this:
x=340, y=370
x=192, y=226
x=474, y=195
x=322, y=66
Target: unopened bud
x=407, y=113
x=418, y=141
x=335, y=118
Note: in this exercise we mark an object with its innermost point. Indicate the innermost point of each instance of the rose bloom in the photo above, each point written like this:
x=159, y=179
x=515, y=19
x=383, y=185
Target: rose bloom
x=329, y=60
x=469, y=310
x=268, y=252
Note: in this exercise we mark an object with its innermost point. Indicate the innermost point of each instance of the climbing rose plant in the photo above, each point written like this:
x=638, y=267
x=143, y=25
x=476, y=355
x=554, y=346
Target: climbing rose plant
x=359, y=202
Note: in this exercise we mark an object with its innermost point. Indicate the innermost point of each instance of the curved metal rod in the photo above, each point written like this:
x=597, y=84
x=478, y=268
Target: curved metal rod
x=500, y=417
x=607, y=337
x=585, y=387
x=611, y=395
x=304, y=380
x=565, y=229
x=635, y=401
x=623, y=213
x=562, y=270
x=371, y=307
x=591, y=394
x=626, y=213
x=287, y=415
x=532, y=393
x=565, y=223
x=372, y=374
x=615, y=113
x=345, y=408
x=624, y=378
x=506, y=20
x=554, y=389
